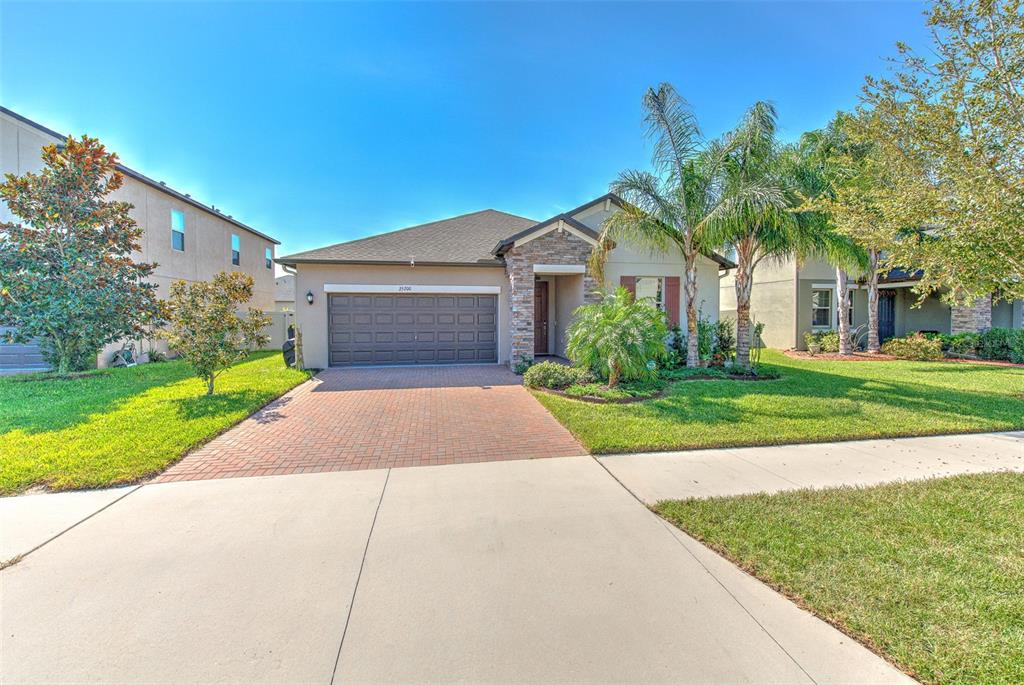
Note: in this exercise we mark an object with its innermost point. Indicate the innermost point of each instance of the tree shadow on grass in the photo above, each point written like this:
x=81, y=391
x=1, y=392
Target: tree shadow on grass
x=714, y=403
x=218, y=404
x=56, y=404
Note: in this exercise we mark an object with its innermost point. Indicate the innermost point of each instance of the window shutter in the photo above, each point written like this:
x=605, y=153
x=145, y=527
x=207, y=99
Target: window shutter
x=672, y=299
x=629, y=283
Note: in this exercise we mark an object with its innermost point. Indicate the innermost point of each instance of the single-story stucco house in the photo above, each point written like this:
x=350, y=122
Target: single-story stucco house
x=484, y=287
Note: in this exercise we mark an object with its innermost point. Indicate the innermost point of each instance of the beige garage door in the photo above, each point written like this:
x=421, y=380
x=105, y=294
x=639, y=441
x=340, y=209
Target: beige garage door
x=375, y=329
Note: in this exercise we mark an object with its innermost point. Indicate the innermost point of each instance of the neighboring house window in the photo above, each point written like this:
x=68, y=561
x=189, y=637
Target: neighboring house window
x=268, y=257
x=235, y=250
x=178, y=230
x=821, y=308
x=651, y=288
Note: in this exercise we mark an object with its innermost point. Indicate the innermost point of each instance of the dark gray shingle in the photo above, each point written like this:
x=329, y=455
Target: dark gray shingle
x=466, y=239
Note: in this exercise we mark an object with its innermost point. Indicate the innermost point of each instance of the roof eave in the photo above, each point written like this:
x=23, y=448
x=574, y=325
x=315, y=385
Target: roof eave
x=294, y=261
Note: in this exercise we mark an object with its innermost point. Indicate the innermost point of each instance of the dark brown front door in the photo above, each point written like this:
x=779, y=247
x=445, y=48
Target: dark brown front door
x=886, y=314
x=540, y=317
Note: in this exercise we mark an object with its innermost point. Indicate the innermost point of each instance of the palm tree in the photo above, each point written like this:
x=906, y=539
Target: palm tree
x=669, y=207
x=826, y=165
x=762, y=213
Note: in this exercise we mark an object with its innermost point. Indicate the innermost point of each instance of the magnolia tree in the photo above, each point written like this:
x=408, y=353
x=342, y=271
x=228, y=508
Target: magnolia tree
x=67, y=277
x=205, y=325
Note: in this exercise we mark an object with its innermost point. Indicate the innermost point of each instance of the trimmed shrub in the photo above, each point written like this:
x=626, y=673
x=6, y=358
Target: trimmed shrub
x=554, y=376
x=1017, y=351
x=915, y=347
x=829, y=340
x=997, y=343
x=961, y=343
x=725, y=337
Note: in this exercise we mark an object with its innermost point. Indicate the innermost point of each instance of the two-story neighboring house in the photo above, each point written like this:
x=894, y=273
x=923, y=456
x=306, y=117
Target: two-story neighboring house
x=187, y=239
x=793, y=298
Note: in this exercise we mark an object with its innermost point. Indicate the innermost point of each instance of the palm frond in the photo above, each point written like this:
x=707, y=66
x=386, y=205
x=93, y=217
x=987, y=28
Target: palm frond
x=673, y=126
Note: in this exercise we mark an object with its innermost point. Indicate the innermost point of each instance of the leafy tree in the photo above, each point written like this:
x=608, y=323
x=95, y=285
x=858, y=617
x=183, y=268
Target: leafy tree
x=617, y=336
x=949, y=125
x=670, y=207
x=205, y=326
x=67, y=277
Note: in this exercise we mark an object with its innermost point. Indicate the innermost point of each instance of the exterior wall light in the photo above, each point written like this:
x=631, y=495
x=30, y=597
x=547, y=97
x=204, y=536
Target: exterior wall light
x=309, y=297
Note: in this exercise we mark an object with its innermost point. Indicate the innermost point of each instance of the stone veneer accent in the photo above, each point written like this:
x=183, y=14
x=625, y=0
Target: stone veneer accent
x=972, y=319
x=556, y=247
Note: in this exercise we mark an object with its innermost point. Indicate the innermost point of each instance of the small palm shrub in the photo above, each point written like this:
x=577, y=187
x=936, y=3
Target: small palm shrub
x=916, y=346
x=555, y=376
x=617, y=337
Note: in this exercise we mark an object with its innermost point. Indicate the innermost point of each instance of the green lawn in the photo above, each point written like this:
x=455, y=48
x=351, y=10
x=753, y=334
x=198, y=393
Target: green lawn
x=120, y=425
x=930, y=573
x=813, y=401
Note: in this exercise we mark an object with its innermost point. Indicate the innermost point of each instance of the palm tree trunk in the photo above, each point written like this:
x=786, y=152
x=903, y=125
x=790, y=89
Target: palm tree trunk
x=874, y=344
x=744, y=288
x=690, y=290
x=843, y=297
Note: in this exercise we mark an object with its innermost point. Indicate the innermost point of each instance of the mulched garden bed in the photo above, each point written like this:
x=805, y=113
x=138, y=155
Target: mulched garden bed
x=661, y=393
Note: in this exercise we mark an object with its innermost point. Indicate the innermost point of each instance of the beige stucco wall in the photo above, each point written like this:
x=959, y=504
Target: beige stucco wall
x=1008, y=314
x=207, y=236
x=932, y=315
x=771, y=301
x=312, y=319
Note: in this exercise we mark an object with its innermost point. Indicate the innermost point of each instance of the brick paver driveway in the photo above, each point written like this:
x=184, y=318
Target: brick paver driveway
x=347, y=419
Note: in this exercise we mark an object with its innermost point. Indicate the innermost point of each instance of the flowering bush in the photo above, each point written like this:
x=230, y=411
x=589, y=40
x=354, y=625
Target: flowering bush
x=916, y=346
x=617, y=338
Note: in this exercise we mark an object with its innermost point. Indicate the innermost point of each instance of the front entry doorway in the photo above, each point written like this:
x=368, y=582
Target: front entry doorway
x=886, y=314
x=540, y=317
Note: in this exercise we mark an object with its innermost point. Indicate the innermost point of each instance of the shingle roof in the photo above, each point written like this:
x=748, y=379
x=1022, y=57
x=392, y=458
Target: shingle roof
x=463, y=240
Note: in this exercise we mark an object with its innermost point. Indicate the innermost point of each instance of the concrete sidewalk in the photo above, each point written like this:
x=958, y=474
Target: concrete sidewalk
x=522, y=571
x=718, y=472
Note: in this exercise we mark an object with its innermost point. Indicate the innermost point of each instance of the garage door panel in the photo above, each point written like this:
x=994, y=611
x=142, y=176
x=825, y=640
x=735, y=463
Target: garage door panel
x=411, y=329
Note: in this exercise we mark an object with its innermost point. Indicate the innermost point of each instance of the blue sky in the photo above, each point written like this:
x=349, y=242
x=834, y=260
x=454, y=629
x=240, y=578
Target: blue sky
x=323, y=122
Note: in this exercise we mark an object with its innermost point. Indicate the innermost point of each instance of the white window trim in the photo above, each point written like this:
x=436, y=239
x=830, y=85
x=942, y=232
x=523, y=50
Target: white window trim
x=663, y=305
x=400, y=289
x=832, y=304
x=833, y=309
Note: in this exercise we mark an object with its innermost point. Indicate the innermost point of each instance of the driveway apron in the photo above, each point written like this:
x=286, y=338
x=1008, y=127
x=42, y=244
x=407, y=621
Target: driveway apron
x=370, y=418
